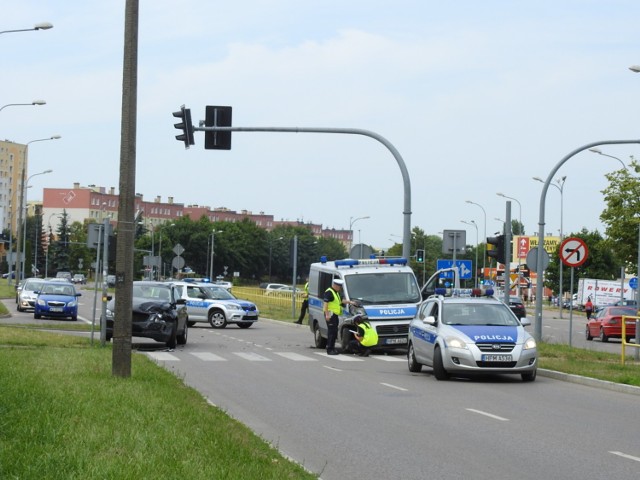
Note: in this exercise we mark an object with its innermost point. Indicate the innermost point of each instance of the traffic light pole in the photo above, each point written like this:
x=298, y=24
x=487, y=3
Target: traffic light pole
x=406, y=234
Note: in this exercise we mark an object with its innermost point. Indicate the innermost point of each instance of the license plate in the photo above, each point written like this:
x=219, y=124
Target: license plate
x=55, y=309
x=250, y=314
x=496, y=358
x=630, y=323
x=395, y=341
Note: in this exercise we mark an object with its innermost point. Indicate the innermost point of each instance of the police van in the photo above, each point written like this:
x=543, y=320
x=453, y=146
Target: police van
x=385, y=289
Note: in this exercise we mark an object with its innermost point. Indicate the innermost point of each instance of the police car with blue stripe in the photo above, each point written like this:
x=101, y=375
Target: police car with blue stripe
x=468, y=331
x=208, y=302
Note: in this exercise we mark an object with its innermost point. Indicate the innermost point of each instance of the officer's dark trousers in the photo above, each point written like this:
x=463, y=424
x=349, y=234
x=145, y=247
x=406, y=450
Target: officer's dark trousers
x=332, y=332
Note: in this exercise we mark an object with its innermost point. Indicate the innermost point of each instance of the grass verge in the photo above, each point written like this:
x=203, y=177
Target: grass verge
x=64, y=416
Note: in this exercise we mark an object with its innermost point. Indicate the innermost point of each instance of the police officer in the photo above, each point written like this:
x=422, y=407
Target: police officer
x=366, y=336
x=305, y=303
x=333, y=302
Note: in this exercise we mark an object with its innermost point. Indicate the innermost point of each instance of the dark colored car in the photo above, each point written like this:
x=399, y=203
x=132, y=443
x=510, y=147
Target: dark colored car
x=607, y=323
x=56, y=300
x=517, y=306
x=157, y=313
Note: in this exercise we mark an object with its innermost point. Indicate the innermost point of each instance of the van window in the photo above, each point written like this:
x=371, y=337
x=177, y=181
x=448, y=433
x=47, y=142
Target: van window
x=383, y=287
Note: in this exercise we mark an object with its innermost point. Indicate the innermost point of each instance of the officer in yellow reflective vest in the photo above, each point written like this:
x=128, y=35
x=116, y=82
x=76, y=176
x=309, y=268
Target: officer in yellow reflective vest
x=366, y=337
x=333, y=302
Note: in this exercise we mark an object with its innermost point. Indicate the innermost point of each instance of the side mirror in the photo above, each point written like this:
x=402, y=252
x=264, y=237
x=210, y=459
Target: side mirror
x=525, y=321
x=181, y=301
x=430, y=320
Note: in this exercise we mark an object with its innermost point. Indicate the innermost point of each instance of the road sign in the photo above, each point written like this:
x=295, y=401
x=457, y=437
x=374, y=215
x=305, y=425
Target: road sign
x=532, y=259
x=177, y=262
x=633, y=283
x=178, y=249
x=464, y=268
x=573, y=252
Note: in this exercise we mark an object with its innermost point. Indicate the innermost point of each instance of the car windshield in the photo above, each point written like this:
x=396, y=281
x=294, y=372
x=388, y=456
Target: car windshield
x=218, y=293
x=58, y=289
x=477, y=314
x=383, y=288
x=32, y=285
x=152, y=292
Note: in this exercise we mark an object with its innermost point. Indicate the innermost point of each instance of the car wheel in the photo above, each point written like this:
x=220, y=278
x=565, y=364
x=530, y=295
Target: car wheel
x=182, y=338
x=245, y=324
x=319, y=340
x=191, y=324
x=603, y=337
x=74, y=318
x=438, y=368
x=529, y=376
x=37, y=316
x=588, y=335
x=413, y=364
x=217, y=319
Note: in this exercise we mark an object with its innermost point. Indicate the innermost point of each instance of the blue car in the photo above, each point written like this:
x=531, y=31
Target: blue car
x=56, y=300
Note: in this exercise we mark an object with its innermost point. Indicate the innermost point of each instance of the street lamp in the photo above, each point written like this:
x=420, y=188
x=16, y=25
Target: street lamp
x=484, y=257
x=35, y=102
x=599, y=152
x=24, y=227
x=476, y=227
x=351, y=222
x=520, y=228
x=213, y=239
x=46, y=257
x=560, y=186
x=23, y=192
x=37, y=26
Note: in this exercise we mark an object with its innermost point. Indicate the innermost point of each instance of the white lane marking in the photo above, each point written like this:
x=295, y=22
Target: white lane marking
x=208, y=357
x=393, y=386
x=624, y=455
x=253, y=357
x=163, y=357
x=296, y=357
x=496, y=417
x=387, y=358
x=341, y=358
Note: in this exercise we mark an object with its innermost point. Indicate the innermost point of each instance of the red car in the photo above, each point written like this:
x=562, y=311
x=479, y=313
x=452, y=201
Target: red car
x=607, y=323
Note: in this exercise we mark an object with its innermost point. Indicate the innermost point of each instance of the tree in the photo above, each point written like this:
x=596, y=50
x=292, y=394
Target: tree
x=59, y=254
x=621, y=215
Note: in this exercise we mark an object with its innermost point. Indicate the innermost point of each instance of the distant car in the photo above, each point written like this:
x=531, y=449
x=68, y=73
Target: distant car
x=56, y=300
x=272, y=286
x=27, y=296
x=625, y=303
x=66, y=275
x=607, y=323
x=18, y=288
x=470, y=335
x=277, y=289
x=157, y=313
x=516, y=304
x=79, y=278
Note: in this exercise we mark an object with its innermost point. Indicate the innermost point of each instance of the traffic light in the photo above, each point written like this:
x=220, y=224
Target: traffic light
x=186, y=126
x=420, y=256
x=498, y=251
x=217, y=117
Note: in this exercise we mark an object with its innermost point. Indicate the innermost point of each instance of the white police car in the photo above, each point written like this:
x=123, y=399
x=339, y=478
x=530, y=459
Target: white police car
x=468, y=334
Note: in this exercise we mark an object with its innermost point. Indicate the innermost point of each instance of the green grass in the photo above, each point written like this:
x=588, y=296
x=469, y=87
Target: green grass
x=63, y=415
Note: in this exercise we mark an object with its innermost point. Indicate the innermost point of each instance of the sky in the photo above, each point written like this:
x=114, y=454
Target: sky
x=476, y=97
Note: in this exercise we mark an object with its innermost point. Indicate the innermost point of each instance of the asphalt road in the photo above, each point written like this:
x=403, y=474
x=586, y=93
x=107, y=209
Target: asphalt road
x=346, y=417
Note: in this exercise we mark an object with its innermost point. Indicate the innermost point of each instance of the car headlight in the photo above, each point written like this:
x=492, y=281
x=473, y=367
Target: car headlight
x=529, y=344
x=234, y=306
x=455, y=342
x=41, y=302
x=72, y=303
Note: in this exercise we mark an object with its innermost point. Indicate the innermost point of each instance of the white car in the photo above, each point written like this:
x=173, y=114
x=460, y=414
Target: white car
x=469, y=335
x=27, y=296
x=272, y=287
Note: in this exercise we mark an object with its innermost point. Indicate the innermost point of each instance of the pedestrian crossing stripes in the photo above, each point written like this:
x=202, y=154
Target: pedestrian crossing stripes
x=255, y=357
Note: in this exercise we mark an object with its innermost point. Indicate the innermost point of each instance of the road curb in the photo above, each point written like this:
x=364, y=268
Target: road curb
x=591, y=382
